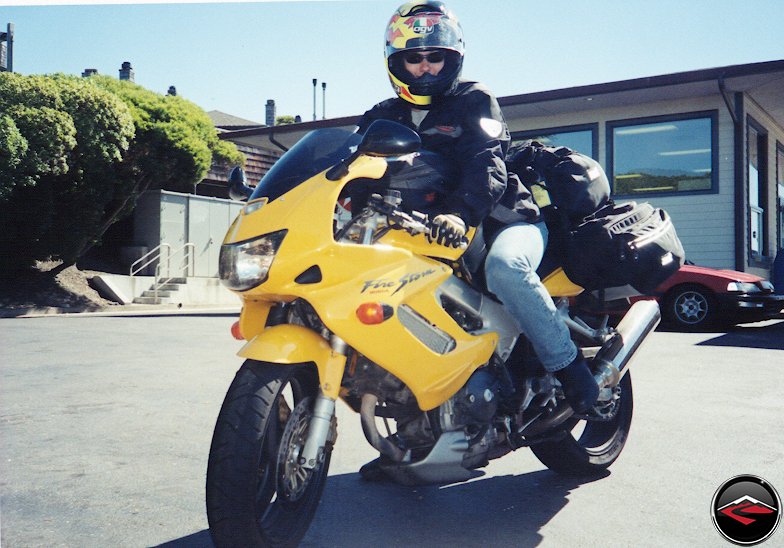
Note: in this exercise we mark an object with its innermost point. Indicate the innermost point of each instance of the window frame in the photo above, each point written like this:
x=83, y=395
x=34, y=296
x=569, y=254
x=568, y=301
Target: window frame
x=524, y=134
x=779, y=196
x=758, y=259
x=712, y=115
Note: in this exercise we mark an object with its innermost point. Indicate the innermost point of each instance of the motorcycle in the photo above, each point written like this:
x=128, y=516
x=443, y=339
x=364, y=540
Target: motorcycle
x=365, y=308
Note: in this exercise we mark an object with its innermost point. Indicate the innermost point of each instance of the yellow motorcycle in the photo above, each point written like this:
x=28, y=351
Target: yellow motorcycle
x=346, y=297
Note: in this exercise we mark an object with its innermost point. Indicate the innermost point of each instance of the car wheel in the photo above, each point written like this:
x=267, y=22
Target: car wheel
x=690, y=307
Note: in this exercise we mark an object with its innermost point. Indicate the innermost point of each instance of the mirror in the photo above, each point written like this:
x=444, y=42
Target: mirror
x=387, y=138
x=238, y=187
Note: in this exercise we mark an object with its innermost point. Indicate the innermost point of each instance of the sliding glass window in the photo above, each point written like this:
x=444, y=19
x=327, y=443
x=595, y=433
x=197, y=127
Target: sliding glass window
x=663, y=155
x=580, y=138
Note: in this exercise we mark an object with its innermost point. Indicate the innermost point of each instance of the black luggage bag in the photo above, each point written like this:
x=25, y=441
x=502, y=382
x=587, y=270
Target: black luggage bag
x=623, y=244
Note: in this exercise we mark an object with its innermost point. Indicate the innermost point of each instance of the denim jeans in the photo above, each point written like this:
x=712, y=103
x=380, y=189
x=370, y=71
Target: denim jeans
x=511, y=275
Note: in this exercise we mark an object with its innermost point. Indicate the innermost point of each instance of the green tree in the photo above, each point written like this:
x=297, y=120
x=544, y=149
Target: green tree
x=284, y=120
x=75, y=154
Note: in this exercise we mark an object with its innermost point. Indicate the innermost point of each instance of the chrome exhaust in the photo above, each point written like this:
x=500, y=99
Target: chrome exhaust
x=612, y=361
x=367, y=415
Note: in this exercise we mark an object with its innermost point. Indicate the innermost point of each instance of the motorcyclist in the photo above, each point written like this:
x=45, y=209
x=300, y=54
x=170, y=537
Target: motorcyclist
x=462, y=121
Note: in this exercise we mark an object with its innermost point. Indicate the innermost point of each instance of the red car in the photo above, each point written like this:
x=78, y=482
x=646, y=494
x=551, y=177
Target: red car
x=696, y=297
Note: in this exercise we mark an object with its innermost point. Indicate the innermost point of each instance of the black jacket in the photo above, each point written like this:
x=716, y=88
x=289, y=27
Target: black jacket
x=467, y=127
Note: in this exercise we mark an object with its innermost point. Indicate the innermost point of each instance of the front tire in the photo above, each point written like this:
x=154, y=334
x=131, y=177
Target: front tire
x=257, y=492
x=599, y=444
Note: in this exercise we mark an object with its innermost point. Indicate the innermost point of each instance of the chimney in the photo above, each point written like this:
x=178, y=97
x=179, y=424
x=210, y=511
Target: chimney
x=126, y=72
x=89, y=72
x=270, y=107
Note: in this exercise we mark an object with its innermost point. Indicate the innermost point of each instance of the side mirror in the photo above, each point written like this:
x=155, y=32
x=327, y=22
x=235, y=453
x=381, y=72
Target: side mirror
x=238, y=188
x=387, y=138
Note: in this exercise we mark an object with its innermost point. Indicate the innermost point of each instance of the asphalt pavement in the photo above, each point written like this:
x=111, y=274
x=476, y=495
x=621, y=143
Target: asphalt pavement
x=106, y=423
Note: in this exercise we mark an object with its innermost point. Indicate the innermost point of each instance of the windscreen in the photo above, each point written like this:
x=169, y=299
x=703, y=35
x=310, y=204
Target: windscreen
x=317, y=151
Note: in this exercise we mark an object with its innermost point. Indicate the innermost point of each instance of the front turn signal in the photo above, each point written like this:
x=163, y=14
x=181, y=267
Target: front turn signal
x=236, y=332
x=373, y=313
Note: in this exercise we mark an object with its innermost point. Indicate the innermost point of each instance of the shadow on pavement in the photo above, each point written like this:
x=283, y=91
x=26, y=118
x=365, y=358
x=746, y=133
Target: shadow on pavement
x=770, y=337
x=507, y=510
x=201, y=539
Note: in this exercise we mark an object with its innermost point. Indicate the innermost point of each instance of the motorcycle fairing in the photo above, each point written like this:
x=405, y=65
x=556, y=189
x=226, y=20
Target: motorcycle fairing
x=354, y=274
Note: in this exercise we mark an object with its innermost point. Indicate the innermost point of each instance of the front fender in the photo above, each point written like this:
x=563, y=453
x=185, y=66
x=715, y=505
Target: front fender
x=292, y=344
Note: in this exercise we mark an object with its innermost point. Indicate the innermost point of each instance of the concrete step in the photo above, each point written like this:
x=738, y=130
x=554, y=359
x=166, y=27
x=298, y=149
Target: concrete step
x=160, y=293
x=169, y=287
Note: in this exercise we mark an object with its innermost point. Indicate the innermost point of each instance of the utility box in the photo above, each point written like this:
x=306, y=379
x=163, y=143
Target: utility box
x=184, y=225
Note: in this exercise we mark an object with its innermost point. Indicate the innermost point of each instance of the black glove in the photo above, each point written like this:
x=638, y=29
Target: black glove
x=447, y=229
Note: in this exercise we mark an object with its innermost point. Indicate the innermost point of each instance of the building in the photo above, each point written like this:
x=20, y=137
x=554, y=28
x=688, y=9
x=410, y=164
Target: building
x=258, y=160
x=706, y=145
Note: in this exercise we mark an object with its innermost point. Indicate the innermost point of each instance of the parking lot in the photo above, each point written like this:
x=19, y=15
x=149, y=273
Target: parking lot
x=106, y=424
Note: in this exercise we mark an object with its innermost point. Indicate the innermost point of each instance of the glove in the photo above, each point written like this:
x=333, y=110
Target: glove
x=447, y=229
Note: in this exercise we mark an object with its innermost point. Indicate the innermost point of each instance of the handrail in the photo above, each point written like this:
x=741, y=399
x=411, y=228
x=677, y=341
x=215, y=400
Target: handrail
x=159, y=249
x=187, y=265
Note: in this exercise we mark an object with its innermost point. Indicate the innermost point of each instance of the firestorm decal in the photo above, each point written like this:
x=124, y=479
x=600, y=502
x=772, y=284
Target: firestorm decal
x=384, y=285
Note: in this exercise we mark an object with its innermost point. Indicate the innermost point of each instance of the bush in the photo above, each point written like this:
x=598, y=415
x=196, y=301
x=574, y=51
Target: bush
x=75, y=153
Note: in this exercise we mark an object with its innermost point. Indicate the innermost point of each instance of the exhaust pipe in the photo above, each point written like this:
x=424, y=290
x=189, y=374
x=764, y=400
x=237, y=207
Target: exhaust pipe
x=612, y=361
x=367, y=415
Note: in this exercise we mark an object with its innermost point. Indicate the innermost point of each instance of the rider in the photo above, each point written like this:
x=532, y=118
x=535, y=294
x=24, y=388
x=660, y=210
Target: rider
x=462, y=121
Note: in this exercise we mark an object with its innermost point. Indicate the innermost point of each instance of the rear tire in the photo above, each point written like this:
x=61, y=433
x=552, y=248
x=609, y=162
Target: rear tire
x=257, y=494
x=599, y=445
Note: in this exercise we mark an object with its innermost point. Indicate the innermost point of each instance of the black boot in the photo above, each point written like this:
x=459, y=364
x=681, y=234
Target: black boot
x=579, y=386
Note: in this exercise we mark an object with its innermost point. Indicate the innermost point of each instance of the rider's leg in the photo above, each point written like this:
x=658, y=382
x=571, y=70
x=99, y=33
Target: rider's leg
x=510, y=271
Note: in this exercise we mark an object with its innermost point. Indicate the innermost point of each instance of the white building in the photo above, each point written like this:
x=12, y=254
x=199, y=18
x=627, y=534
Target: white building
x=706, y=145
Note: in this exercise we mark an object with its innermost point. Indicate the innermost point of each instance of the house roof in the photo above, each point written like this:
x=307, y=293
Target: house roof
x=230, y=122
x=761, y=81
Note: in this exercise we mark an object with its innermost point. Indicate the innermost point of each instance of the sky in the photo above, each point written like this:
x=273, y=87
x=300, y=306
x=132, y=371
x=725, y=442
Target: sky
x=234, y=56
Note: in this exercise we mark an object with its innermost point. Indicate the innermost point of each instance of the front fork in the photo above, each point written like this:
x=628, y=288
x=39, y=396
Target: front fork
x=322, y=425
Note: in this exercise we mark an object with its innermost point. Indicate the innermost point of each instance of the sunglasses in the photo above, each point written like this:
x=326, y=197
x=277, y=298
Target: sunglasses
x=433, y=57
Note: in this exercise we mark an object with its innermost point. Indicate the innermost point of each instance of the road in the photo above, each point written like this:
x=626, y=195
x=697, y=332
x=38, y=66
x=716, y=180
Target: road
x=106, y=423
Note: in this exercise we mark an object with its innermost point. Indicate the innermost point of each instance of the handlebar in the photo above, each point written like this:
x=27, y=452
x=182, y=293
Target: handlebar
x=414, y=223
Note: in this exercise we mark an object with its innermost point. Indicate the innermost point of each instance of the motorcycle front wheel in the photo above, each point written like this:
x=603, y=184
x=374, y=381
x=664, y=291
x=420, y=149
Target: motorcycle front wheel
x=599, y=444
x=258, y=494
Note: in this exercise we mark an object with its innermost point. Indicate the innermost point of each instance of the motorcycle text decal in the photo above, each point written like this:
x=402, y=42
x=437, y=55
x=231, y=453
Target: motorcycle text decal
x=384, y=285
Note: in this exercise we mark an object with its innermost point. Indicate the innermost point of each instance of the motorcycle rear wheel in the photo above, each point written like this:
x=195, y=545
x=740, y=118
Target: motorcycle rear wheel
x=597, y=447
x=257, y=492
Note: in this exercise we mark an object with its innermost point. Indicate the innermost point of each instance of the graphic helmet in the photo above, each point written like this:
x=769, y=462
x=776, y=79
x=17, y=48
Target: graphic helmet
x=423, y=26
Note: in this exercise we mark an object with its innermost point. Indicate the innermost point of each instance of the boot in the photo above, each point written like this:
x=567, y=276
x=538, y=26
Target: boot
x=579, y=386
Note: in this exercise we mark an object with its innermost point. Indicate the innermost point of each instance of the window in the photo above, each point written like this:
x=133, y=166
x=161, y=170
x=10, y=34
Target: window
x=663, y=154
x=757, y=154
x=579, y=138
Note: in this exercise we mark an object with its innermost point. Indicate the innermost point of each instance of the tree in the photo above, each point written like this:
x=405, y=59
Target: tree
x=61, y=139
x=75, y=154
x=284, y=120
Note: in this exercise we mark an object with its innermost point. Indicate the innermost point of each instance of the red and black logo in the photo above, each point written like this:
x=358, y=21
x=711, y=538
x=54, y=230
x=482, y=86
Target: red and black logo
x=746, y=510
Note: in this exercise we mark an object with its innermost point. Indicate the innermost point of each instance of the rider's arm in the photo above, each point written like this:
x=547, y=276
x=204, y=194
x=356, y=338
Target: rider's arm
x=480, y=151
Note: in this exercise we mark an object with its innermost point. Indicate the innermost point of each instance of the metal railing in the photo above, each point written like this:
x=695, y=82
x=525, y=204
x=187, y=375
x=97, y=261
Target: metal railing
x=162, y=256
x=148, y=258
x=186, y=265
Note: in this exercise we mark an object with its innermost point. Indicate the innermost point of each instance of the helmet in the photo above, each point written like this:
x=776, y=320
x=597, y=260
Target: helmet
x=423, y=26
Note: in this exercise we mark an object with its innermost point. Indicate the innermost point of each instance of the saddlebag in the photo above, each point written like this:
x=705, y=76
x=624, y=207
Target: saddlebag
x=560, y=179
x=623, y=244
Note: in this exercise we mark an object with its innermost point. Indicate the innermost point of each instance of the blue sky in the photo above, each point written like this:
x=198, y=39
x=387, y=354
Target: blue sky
x=233, y=57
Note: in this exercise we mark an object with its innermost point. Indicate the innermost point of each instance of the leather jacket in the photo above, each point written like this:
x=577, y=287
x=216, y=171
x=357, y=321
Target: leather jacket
x=467, y=128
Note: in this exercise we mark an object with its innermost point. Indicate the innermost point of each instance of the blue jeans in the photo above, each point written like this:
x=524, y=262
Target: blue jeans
x=511, y=275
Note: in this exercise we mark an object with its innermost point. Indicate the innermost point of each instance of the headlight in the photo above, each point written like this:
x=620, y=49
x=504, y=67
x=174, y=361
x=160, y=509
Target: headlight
x=767, y=286
x=245, y=265
x=742, y=287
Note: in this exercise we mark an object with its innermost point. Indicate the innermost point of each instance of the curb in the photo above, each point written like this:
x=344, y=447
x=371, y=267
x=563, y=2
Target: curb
x=120, y=310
